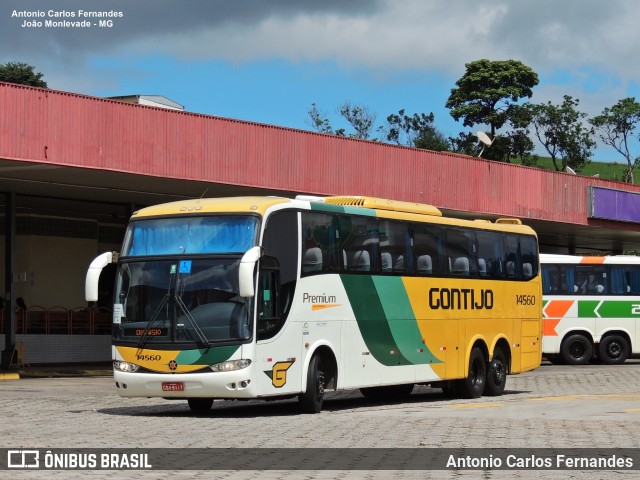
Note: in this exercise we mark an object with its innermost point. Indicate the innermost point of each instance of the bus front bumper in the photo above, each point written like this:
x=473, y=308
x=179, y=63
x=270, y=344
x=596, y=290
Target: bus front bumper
x=236, y=384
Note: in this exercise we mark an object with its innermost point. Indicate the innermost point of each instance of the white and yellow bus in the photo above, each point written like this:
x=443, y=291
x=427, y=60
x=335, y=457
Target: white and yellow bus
x=265, y=297
x=591, y=308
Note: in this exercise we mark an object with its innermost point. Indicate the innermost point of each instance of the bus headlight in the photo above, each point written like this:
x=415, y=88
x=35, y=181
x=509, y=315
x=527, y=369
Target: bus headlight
x=125, y=366
x=230, y=365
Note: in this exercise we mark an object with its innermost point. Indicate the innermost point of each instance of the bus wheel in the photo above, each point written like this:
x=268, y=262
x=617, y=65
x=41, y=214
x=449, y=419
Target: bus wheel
x=473, y=385
x=496, y=374
x=613, y=349
x=311, y=400
x=200, y=405
x=576, y=349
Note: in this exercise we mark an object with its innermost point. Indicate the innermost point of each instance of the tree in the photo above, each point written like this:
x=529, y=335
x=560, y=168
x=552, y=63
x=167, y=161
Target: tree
x=488, y=91
x=360, y=118
x=615, y=126
x=318, y=121
x=465, y=143
x=562, y=133
x=21, y=73
x=415, y=131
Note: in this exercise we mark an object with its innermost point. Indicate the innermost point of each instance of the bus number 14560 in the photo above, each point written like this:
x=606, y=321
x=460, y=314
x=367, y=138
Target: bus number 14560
x=525, y=300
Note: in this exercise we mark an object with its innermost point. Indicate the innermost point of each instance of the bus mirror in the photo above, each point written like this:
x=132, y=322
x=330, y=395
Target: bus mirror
x=93, y=274
x=245, y=274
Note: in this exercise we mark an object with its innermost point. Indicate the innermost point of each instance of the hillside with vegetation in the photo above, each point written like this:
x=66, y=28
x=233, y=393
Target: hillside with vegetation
x=605, y=170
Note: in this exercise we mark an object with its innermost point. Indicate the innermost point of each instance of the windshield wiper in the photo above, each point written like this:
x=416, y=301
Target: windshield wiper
x=203, y=338
x=156, y=314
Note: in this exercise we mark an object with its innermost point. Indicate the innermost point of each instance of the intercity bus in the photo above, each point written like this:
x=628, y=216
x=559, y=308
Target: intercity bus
x=591, y=308
x=266, y=297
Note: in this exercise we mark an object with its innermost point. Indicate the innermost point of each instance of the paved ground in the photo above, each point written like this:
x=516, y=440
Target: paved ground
x=554, y=406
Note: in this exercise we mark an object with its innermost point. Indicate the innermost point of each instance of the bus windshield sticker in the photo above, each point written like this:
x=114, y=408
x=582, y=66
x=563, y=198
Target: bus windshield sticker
x=185, y=266
x=118, y=312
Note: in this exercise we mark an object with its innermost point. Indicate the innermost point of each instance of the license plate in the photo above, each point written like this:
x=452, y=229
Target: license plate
x=172, y=386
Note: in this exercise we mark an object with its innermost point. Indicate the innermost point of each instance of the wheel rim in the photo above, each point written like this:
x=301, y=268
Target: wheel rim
x=319, y=386
x=614, y=350
x=498, y=371
x=476, y=377
x=577, y=350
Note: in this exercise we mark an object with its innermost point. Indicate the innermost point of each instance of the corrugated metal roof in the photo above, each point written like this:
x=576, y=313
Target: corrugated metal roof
x=58, y=128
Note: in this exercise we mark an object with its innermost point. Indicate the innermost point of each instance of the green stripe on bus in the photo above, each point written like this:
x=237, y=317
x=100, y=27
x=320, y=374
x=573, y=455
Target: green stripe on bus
x=587, y=308
x=608, y=309
x=208, y=356
x=372, y=321
x=328, y=207
x=402, y=320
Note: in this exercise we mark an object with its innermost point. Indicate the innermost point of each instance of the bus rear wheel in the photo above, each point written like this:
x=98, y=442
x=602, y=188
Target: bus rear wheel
x=614, y=350
x=576, y=349
x=473, y=385
x=200, y=405
x=496, y=374
x=311, y=400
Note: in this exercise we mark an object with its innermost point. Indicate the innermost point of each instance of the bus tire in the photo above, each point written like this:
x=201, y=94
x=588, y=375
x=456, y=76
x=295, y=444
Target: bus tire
x=473, y=385
x=613, y=349
x=576, y=349
x=311, y=400
x=496, y=374
x=200, y=405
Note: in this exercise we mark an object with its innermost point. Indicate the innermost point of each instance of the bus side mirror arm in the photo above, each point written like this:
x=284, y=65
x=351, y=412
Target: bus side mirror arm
x=245, y=273
x=93, y=274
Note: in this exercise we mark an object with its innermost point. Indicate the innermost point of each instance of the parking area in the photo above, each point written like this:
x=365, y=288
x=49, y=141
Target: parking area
x=551, y=407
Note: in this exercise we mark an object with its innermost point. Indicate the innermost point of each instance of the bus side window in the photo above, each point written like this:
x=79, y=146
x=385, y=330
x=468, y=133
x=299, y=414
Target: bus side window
x=550, y=280
x=633, y=280
x=489, y=254
x=270, y=319
x=362, y=245
x=511, y=263
x=529, y=257
x=427, y=248
x=394, y=246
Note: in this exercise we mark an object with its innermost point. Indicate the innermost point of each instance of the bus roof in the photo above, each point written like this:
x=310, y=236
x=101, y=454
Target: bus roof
x=590, y=259
x=211, y=205
x=381, y=208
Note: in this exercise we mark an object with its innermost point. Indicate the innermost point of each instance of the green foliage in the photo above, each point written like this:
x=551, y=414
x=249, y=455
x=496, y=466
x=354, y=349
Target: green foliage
x=604, y=170
x=615, y=126
x=360, y=118
x=465, y=143
x=21, y=73
x=488, y=91
x=416, y=131
x=561, y=131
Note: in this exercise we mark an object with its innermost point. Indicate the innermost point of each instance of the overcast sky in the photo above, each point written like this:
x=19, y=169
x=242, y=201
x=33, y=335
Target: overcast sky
x=269, y=60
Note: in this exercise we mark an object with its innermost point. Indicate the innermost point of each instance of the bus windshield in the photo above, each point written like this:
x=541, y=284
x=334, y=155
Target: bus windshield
x=190, y=235
x=191, y=300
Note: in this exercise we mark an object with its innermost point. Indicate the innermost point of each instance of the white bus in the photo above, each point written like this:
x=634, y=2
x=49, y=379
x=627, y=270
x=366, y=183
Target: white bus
x=265, y=297
x=591, y=308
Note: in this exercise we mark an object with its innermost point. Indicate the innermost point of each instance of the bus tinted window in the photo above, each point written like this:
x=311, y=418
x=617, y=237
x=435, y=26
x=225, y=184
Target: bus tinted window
x=461, y=252
x=490, y=254
x=355, y=244
x=361, y=245
x=427, y=249
x=395, y=247
x=529, y=257
x=321, y=237
x=591, y=279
